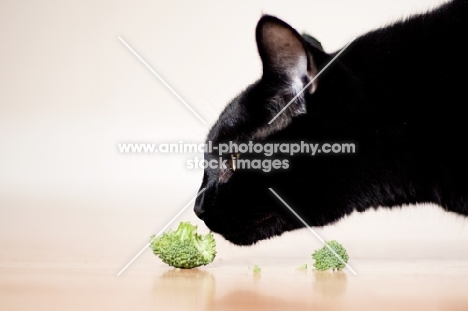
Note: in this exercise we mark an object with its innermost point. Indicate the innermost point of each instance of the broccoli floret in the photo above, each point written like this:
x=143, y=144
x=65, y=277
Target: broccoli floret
x=184, y=248
x=325, y=259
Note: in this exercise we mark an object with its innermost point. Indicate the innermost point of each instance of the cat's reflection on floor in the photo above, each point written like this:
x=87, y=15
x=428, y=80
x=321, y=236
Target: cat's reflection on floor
x=195, y=289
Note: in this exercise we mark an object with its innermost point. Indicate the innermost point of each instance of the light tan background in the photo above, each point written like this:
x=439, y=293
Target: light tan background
x=70, y=91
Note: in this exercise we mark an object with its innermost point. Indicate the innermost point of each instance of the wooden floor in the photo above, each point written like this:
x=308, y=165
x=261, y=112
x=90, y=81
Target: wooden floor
x=66, y=256
x=385, y=285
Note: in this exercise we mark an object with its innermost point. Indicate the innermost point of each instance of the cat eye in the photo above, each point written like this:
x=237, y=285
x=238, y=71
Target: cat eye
x=227, y=170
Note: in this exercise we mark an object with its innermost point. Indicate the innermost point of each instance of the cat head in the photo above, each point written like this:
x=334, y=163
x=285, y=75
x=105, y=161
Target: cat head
x=284, y=106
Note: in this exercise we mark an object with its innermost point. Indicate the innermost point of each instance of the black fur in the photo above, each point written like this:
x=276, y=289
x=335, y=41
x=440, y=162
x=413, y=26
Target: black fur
x=399, y=93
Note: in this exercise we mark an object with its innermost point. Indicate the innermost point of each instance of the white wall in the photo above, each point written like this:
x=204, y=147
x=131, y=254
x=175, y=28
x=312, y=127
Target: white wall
x=70, y=91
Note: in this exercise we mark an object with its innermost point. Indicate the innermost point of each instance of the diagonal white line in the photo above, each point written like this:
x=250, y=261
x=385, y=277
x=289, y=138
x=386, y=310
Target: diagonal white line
x=311, y=81
x=161, y=79
x=313, y=231
x=159, y=233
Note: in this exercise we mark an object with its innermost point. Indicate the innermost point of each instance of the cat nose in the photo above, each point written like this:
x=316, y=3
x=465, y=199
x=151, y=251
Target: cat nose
x=199, y=213
x=198, y=208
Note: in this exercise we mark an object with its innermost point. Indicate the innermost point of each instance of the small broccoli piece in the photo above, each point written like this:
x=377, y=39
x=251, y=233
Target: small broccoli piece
x=302, y=267
x=256, y=269
x=184, y=248
x=325, y=259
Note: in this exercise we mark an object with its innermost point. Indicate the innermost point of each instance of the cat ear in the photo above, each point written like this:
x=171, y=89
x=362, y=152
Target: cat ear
x=283, y=53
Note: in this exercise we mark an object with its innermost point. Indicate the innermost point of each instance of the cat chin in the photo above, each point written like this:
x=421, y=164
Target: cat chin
x=263, y=229
x=249, y=238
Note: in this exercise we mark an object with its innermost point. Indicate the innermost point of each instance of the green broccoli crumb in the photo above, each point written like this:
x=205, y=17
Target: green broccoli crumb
x=302, y=267
x=256, y=269
x=184, y=248
x=325, y=259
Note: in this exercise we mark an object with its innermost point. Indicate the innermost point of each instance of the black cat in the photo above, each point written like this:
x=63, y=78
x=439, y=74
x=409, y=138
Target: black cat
x=398, y=93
